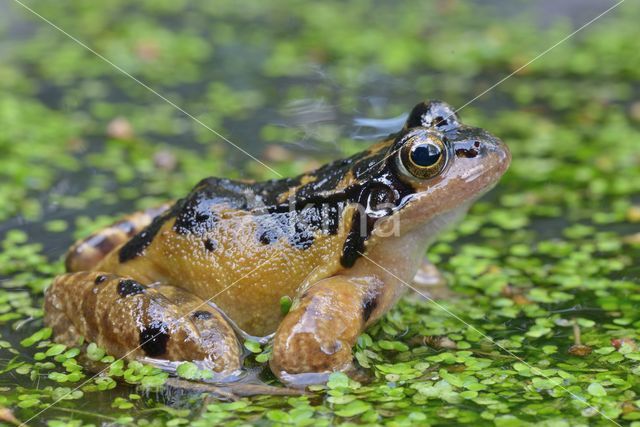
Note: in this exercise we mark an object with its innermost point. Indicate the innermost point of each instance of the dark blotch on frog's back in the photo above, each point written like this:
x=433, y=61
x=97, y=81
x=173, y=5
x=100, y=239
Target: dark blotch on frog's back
x=271, y=226
x=270, y=191
x=197, y=214
x=301, y=236
x=192, y=214
x=298, y=227
x=273, y=218
x=138, y=243
x=210, y=245
x=154, y=339
x=323, y=186
x=317, y=204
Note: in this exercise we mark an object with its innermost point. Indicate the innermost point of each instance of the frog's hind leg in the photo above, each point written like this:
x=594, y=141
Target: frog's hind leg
x=85, y=254
x=131, y=320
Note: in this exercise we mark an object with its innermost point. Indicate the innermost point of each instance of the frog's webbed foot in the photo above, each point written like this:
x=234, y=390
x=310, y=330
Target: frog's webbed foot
x=316, y=337
x=131, y=320
x=85, y=254
x=430, y=282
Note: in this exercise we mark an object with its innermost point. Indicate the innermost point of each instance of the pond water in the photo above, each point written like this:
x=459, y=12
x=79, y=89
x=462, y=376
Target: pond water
x=552, y=251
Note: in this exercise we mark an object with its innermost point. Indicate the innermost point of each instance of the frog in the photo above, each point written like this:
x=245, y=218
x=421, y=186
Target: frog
x=191, y=279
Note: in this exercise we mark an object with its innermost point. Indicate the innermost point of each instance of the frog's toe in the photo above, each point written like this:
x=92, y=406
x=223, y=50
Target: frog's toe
x=131, y=320
x=428, y=276
x=429, y=282
x=85, y=254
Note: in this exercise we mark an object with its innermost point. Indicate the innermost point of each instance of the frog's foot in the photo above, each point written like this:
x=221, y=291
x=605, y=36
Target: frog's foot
x=429, y=282
x=131, y=320
x=317, y=335
x=85, y=254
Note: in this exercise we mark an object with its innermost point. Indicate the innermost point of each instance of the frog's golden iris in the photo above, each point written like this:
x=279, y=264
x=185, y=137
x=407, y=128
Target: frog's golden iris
x=423, y=154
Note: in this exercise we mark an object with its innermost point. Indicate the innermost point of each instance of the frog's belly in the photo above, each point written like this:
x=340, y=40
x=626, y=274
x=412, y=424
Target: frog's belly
x=243, y=277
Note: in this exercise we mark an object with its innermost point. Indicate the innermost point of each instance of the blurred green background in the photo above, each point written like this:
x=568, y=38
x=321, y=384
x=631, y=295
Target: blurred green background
x=553, y=250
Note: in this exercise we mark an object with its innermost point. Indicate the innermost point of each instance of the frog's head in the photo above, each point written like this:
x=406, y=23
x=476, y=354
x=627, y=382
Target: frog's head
x=412, y=184
x=441, y=165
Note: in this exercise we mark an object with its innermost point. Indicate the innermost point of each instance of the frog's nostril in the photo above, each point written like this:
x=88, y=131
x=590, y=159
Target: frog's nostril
x=468, y=153
x=468, y=149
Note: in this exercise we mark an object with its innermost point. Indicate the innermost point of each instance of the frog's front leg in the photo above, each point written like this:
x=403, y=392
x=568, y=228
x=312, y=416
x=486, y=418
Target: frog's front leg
x=131, y=320
x=317, y=335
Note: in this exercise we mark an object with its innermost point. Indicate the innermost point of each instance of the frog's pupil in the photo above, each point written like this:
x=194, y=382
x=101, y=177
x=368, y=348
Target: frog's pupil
x=425, y=155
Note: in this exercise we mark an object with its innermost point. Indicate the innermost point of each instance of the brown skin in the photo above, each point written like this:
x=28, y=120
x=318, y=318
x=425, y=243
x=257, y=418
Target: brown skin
x=88, y=252
x=259, y=275
x=115, y=312
x=318, y=334
x=243, y=247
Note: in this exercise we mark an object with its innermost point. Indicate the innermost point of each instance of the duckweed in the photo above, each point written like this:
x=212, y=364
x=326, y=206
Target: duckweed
x=546, y=262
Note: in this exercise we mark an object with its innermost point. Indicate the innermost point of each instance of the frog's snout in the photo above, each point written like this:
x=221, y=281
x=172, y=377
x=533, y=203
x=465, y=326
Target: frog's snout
x=498, y=154
x=478, y=159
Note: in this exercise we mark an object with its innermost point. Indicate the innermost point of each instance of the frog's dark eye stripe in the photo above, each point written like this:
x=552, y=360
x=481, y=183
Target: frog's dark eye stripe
x=423, y=155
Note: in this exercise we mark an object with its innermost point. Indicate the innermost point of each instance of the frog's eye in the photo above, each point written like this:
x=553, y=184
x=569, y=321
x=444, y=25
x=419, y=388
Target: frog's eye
x=423, y=157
